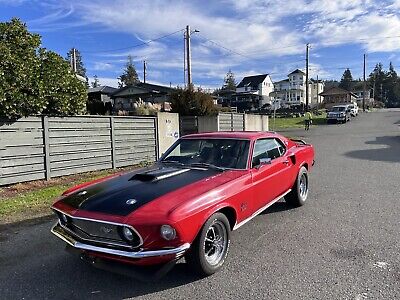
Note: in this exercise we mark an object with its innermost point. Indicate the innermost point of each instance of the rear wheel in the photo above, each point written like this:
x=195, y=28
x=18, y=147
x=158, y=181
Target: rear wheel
x=209, y=250
x=298, y=194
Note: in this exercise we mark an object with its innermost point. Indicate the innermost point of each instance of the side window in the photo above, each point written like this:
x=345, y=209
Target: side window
x=267, y=148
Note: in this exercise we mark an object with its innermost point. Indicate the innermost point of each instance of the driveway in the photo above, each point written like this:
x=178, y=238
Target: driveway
x=343, y=244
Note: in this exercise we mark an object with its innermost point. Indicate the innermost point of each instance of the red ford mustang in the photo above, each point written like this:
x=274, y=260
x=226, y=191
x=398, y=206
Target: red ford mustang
x=186, y=204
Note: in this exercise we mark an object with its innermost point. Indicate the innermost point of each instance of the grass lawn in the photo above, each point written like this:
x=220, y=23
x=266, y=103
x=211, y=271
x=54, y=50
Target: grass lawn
x=284, y=123
x=33, y=199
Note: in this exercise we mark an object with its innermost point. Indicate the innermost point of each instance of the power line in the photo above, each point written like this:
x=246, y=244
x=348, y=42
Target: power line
x=223, y=47
x=135, y=46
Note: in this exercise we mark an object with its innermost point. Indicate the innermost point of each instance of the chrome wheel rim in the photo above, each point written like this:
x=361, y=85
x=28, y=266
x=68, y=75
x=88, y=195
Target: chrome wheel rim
x=215, y=243
x=303, y=186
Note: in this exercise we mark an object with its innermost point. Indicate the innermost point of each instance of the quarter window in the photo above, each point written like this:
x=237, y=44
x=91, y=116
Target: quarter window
x=267, y=148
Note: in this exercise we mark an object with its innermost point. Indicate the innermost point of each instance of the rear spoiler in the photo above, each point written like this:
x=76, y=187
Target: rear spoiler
x=299, y=141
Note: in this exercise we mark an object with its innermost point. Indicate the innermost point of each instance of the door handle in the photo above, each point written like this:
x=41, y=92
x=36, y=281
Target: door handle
x=285, y=162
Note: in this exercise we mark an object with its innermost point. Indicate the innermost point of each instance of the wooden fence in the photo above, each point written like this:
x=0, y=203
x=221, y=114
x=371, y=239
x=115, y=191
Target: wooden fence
x=45, y=147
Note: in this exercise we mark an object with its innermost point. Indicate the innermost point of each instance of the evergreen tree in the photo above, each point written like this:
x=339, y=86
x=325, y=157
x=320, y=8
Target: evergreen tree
x=377, y=81
x=96, y=82
x=392, y=86
x=346, y=81
x=229, y=82
x=130, y=76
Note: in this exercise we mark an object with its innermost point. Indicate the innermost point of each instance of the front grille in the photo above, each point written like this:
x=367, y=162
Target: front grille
x=92, y=231
x=95, y=229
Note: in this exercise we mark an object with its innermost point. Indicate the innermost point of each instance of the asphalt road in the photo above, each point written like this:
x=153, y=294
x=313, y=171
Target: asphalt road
x=343, y=244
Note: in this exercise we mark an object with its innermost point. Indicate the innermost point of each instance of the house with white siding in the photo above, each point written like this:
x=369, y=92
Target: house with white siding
x=253, y=92
x=292, y=91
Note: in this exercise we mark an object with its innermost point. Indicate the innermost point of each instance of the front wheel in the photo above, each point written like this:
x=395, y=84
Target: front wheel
x=298, y=194
x=209, y=250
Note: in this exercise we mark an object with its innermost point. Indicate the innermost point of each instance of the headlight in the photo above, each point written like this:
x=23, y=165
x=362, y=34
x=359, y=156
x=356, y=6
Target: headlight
x=127, y=233
x=167, y=232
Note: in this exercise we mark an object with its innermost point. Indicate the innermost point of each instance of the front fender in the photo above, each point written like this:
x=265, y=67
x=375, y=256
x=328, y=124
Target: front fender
x=191, y=226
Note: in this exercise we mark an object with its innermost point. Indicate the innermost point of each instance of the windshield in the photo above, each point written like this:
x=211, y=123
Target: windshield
x=224, y=153
x=338, y=108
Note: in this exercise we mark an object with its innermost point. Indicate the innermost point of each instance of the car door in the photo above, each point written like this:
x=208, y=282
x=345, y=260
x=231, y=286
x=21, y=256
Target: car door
x=271, y=178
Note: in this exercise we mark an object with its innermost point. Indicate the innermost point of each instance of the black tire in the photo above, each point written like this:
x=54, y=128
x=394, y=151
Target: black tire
x=197, y=257
x=298, y=195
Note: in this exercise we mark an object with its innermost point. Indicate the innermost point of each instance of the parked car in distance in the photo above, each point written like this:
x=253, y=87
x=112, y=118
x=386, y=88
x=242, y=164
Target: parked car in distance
x=353, y=109
x=338, y=113
x=186, y=204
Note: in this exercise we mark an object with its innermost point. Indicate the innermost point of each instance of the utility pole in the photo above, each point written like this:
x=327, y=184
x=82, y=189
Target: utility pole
x=307, y=58
x=364, y=85
x=188, y=58
x=73, y=60
x=144, y=71
x=317, y=93
x=184, y=60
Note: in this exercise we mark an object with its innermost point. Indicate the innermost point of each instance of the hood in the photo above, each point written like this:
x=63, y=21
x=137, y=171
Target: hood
x=124, y=194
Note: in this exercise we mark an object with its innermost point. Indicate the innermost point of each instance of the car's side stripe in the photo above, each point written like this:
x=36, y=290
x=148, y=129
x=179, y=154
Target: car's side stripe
x=237, y=225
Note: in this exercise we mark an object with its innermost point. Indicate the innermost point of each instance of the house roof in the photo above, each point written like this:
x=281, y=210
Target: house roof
x=142, y=88
x=282, y=81
x=296, y=71
x=252, y=81
x=150, y=87
x=103, y=89
x=336, y=91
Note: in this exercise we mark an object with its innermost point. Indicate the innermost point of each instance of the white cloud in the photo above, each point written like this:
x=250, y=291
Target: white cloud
x=113, y=82
x=262, y=31
x=155, y=18
x=102, y=66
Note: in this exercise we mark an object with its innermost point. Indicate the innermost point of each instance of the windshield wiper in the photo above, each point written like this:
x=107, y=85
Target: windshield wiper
x=206, y=165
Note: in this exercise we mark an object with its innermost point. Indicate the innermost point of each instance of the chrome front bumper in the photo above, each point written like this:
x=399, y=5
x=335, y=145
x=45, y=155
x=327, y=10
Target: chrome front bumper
x=58, y=231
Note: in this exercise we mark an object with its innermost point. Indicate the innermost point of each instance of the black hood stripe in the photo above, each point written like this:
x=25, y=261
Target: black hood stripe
x=124, y=194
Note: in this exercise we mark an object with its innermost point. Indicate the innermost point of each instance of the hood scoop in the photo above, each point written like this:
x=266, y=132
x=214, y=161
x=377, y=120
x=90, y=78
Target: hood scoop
x=158, y=174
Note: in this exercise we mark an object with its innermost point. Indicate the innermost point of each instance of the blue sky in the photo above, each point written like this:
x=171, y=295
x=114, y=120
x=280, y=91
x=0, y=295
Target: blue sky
x=248, y=37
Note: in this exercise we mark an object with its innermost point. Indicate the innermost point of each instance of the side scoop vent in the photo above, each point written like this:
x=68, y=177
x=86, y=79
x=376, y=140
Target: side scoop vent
x=159, y=174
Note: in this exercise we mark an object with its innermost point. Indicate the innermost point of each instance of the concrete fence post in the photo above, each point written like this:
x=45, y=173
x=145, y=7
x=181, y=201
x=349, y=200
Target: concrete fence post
x=167, y=130
x=46, y=145
x=112, y=135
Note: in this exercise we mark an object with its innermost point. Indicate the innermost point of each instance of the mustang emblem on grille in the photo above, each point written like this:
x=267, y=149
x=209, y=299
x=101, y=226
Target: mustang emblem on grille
x=131, y=201
x=82, y=193
x=105, y=230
